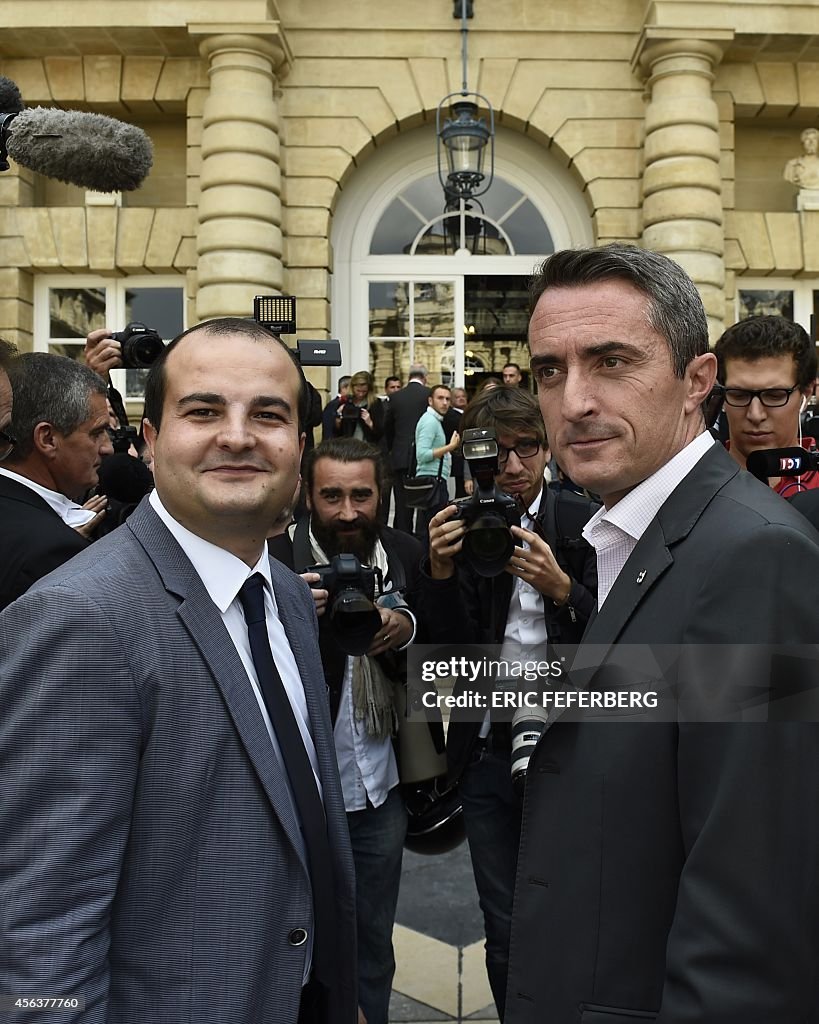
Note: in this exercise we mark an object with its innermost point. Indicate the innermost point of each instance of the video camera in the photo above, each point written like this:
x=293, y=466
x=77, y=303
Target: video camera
x=277, y=313
x=781, y=462
x=488, y=513
x=351, y=612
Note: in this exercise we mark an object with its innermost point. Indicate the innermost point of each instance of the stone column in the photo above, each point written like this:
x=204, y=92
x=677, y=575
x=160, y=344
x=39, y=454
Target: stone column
x=682, y=182
x=239, y=244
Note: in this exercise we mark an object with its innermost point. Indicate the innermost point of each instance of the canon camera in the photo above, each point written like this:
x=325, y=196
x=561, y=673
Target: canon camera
x=487, y=513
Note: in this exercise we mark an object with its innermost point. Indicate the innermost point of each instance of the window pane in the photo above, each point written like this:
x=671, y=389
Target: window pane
x=388, y=309
x=160, y=309
x=765, y=303
x=434, y=309
x=497, y=321
x=389, y=359
x=72, y=351
x=423, y=200
x=73, y=312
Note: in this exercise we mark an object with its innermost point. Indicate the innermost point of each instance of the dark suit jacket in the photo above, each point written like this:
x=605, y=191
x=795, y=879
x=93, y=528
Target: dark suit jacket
x=33, y=540
x=472, y=609
x=668, y=871
x=404, y=409
x=808, y=504
x=150, y=859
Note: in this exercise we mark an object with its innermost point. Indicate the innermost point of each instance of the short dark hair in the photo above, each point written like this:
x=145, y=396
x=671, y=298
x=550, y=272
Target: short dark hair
x=8, y=353
x=759, y=337
x=515, y=365
x=387, y=381
x=506, y=409
x=343, y=380
x=675, y=308
x=51, y=389
x=345, y=449
x=156, y=384
x=438, y=387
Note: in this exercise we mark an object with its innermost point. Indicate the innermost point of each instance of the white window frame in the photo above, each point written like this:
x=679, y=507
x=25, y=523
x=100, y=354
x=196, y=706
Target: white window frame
x=115, y=289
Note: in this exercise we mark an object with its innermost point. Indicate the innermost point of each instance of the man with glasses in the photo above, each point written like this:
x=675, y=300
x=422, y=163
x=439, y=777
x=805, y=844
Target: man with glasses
x=546, y=594
x=767, y=368
x=54, y=444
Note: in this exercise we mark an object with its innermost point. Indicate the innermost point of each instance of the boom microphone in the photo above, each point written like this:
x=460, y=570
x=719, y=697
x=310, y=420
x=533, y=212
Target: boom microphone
x=770, y=462
x=89, y=150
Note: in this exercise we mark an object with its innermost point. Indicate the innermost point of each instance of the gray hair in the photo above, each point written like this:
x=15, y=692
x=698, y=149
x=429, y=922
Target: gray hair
x=417, y=372
x=49, y=389
x=675, y=308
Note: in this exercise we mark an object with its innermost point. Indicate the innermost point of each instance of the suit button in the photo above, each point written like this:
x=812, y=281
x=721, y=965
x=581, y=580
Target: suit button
x=297, y=937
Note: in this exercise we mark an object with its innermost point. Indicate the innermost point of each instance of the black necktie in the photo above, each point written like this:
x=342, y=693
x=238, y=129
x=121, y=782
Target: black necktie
x=300, y=773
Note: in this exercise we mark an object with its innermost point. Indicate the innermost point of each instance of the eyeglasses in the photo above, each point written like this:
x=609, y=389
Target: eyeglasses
x=7, y=442
x=524, y=449
x=771, y=398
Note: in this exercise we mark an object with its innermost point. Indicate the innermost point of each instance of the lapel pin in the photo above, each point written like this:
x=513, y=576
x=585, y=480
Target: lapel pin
x=642, y=576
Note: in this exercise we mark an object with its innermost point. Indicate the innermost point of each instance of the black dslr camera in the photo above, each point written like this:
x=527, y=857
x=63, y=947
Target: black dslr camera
x=141, y=345
x=351, y=612
x=488, y=513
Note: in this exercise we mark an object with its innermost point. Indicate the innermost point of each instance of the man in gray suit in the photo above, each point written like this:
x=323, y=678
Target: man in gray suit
x=174, y=838
x=667, y=869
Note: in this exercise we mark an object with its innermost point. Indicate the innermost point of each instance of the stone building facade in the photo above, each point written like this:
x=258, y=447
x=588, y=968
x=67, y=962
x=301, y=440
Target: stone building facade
x=295, y=152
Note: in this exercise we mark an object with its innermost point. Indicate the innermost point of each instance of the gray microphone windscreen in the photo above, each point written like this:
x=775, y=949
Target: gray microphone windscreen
x=89, y=150
x=11, y=102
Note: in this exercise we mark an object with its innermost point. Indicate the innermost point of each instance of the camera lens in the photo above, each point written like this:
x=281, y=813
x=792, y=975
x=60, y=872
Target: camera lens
x=488, y=544
x=355, y=621
x=141, y=350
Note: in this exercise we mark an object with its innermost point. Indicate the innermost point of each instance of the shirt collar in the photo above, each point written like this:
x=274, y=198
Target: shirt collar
x=69, y=511
x=221, y=572
x=435, y=413
x=633, y=513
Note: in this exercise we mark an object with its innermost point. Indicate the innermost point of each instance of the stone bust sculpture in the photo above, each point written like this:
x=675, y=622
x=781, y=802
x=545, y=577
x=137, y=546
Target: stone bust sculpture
x=804, y=170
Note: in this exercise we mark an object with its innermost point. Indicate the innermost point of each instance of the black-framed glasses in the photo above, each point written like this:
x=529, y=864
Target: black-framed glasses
x=7, y=442
x=771, y=398
x=524, y=449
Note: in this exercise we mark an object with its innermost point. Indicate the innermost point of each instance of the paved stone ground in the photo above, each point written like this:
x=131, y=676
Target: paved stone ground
x=440, y=974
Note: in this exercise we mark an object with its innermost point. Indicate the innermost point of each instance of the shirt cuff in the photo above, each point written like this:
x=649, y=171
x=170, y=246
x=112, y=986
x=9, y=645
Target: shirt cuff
x=413, y=620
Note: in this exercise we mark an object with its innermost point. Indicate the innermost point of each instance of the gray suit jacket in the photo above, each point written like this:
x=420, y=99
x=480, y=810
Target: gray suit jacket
x=667, y=870
x=149, y=859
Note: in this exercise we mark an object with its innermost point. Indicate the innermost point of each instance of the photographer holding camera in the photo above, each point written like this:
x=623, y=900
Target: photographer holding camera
x=361, y=413
x=487, y=581
x=361, y=651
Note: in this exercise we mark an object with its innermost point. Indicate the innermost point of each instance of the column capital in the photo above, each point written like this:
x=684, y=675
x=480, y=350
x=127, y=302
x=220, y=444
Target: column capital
x=265, y=39
x=659, y=42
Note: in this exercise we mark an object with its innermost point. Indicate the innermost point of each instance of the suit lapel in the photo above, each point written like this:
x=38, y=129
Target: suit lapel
x=651, y=559
x=204, y=624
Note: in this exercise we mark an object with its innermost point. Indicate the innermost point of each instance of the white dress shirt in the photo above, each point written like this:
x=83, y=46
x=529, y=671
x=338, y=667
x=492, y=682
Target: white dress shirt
x=223, y=574
x=614, y=532
x=69, y=511
x=525, y=622
x=366, y=764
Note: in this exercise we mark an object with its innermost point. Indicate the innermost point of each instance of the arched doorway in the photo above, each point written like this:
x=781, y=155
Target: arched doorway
x=414, y=284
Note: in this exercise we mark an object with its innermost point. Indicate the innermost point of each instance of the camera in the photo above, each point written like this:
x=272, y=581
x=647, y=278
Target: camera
x=122, y=438
x=141, y=345
x=351, y=612
x=348, y=410
x=487, y=513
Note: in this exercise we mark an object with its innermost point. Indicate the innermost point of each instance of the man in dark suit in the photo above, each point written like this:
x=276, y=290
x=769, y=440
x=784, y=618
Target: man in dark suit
x=343, y=479
x=174, y=775
x=328, y=416
x=405, y=408
x=59, y=423
x=667, y=869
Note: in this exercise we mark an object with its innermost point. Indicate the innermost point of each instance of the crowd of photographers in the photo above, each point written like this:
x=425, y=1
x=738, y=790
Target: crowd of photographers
x=495, y=557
